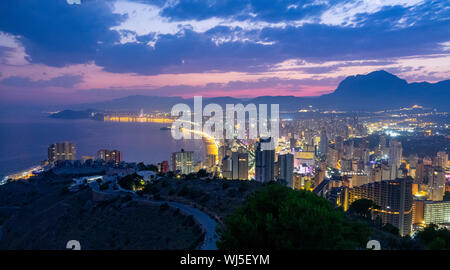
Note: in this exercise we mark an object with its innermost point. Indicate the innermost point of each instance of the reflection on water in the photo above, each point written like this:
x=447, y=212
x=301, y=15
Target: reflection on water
x=25, y=144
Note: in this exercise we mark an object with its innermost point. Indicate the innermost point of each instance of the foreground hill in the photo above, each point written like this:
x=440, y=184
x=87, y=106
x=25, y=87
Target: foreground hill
x=43, y=216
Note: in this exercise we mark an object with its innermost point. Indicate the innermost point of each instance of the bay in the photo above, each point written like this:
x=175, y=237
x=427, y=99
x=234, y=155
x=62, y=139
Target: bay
x=24, y=143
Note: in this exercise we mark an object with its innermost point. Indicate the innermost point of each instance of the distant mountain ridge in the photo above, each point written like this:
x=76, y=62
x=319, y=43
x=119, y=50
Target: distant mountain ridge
x=381, y=89
x=373, y=91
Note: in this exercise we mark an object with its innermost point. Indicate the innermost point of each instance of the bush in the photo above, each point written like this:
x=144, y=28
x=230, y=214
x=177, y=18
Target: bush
x=104, y=186
x=127, y=198
x=164, y=207
x=65, y=190
x=185, y=191
x=232, y=193
x=204, y=198
x=279, y=218
x=435, y=238
x=225, y=184
x=130, y=182
x=243, y=187
x=362, y=208
x=391, y=229
x=151, y=189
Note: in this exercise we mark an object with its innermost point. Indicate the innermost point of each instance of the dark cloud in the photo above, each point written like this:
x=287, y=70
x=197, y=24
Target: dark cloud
x=65, y=81
x=187, y=51
x=399, y=16
x=318, y=42
x=56, y=33
x=204, y=9
x=254, y=10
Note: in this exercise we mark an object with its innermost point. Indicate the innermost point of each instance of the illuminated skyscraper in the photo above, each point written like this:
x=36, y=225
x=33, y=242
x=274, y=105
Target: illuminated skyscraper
x=436, y=212
x=210, y=162
x=339, y=146
x=441, y=159
x=381, y=151
x=323, y=144
x=61, y=151
x=436, y=183
x=227, y=167
x=286, y=169
x=108, y=155
x=183, y=162
x=394, y=198
x=332, y=157
x=420, y=172
x=348, y=149
x=264, y=160
x=395, y=156
x=243, y=166
x=239, y=166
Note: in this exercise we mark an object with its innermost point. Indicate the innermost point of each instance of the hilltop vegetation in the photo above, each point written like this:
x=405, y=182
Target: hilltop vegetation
x=278, y=218
x=46, y=216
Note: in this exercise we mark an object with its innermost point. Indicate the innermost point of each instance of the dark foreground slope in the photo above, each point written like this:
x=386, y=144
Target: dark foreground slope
x=45, y=217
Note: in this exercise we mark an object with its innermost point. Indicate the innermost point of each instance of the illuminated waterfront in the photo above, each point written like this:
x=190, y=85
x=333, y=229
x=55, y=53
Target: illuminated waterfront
x=138, y=119
x=25, y=174
x=24, y=144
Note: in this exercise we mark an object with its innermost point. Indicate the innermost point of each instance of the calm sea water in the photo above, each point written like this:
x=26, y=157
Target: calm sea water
x=24, y=143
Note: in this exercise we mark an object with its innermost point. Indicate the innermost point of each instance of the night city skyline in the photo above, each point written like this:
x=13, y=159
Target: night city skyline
x=225, y=133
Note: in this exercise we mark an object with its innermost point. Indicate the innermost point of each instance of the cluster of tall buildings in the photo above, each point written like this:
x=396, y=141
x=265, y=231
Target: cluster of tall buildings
x=409, y=191
x=333, y=157
x=338, y=160
x=66, y=151
x=61, y=152
x=109, y=155
x=256, y=160
x=393, y=198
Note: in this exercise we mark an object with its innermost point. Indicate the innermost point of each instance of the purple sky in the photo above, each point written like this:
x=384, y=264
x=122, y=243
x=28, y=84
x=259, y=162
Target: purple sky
x=71, y=51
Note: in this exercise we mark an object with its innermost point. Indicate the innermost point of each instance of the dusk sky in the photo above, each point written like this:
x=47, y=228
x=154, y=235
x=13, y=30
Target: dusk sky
x=72, y=51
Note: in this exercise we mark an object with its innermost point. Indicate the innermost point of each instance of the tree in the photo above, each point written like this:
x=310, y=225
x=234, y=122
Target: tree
x=391, y=229
x=278, y=218
x=434, y=238
x=362, y=208
x=152, y=167
x=131, y=182
x=142, y=167
x=202, y=173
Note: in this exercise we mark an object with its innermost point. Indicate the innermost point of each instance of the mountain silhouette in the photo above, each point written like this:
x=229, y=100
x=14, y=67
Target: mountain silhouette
x=374, y=91
x=383, y=90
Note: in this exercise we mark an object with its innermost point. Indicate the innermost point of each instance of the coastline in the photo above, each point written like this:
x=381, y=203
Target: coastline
x=23, y=174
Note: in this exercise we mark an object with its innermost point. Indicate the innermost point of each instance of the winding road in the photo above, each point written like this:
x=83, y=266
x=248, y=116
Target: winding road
x=209, y=225
x=206, y=221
